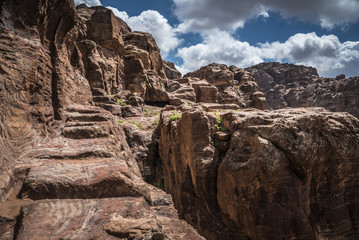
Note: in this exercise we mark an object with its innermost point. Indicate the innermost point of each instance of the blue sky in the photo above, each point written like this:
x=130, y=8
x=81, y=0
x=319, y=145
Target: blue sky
x=193, y=33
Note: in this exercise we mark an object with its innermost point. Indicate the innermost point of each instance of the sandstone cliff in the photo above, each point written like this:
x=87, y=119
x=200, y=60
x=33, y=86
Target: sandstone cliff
x=288, y=85
x=284, y=174
x=66, y=166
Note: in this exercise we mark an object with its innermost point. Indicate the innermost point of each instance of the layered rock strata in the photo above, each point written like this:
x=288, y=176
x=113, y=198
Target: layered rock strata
x=65, y=161
x=79, y=141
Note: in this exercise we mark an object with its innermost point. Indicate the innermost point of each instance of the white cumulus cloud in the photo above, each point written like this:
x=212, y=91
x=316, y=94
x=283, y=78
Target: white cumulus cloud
x=89, y=3
x=326, y=53
x=199, y=15
x=218, y=46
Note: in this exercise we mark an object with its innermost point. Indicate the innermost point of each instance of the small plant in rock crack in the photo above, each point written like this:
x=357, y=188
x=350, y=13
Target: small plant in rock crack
x=175, y=116
x=121, y=102
x=137, y=124
x=121, y=121
x=154, y=125
x=110, y=95
x=239, y=90
x=219, y=125
x=159, y=184
x=150, y=112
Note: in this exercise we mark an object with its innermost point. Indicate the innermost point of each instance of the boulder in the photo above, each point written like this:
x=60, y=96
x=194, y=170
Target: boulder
x=171, y=71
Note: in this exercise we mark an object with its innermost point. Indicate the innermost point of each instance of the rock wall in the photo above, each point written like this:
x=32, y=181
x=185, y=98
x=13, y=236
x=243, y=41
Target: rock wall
x=283, y=174
x=65, y=161
x=288, y=85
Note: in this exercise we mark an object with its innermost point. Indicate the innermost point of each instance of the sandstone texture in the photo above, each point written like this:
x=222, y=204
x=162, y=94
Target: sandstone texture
x=284, y=174
x=288, y=85
x=100, y=138
x=227, y=85
x=66, y=85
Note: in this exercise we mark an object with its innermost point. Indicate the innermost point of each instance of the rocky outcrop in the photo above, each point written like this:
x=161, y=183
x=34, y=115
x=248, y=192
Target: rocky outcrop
x=117, y=59
x=90, y=160
x=263, y=175
x=80, y=142
x=171, y=71
x=65, y=159
x=234, y=86
x=288, y=85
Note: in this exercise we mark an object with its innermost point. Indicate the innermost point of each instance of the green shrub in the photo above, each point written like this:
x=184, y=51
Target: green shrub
x=175, y=116
x=137, y=124
x=219, y=125
x=239, y=89
x=121, y=102
x=110, y=95
x=121, y=121
x=150, y=113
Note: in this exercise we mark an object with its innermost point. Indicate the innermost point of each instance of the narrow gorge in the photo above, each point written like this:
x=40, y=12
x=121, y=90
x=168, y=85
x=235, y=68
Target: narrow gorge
x=100, y=138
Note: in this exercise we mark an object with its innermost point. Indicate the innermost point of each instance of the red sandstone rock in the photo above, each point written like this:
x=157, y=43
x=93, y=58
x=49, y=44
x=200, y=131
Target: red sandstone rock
x=171, y=71
x=234, y=85
x=100, y=219
x=288, y=173
x=288, y=85
x=283, y=174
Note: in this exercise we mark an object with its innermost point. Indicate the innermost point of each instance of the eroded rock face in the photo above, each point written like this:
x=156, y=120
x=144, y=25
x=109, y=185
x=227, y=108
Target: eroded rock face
x=67, y=160
x=78, y=140
x=171, y=71
x=107, y=218
x=282, y=174
x=117, y=59
x=288, y=85
x=234, y=86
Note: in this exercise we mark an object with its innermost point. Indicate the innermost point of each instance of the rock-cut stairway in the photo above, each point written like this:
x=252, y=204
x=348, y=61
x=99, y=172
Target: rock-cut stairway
x=85, y=184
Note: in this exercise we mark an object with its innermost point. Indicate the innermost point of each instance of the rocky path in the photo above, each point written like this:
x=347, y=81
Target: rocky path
x=85, y=184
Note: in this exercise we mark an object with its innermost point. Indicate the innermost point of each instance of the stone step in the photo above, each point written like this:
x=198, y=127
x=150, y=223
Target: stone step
x=78, y=124
x=83, y=109
x=94, y=117
x=100, y=219
x=98, y=92
x=74, y=219
x=112, y=108
x=85, y=132
x=99, y=179
x=103, y=99
x=81, y=152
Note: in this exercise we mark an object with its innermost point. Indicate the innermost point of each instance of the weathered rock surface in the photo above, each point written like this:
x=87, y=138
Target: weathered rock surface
x=234, y=86
x=79, y=141
x=284, y=174
x=100, y=219
x=288, y=85
x=171, y=71
x=57, y=62
x=93, y=168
